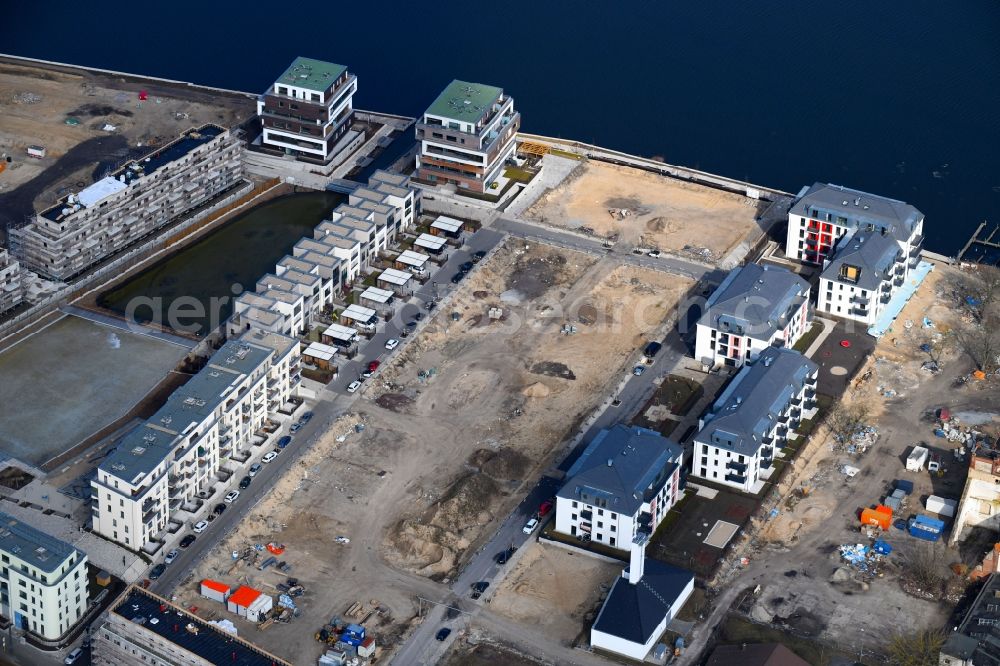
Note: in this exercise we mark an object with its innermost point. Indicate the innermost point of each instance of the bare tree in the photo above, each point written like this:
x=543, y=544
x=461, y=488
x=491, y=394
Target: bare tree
x=921, y=648
x=985, y=286
x=845, y=420
x=980, y=340
x=926, y=567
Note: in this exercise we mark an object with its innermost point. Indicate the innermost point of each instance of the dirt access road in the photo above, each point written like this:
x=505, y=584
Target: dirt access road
x=648, y=210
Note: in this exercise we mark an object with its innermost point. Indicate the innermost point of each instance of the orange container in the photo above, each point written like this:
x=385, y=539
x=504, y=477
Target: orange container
x=877, y=518
x=881, y=508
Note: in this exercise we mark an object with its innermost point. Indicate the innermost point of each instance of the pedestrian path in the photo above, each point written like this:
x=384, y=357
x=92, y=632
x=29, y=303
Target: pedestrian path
x=127, y=326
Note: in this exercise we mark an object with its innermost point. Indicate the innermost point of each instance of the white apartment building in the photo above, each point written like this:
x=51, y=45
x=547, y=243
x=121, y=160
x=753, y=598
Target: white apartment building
x=165, y=463
x=823, y=214
x=307, y=112
x=43, y=580
x=754, y=417
x=136, y=200
x=288, y=300
x=466, y=136
x=623, y=484
x=754, y=308
x=11, y=285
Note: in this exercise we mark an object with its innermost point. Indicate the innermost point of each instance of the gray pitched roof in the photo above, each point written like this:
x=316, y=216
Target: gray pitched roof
x=871, y=251
x=754, y=300
x=633, y=612
x=749, y=407
x=619, y=468
x=35, y=547
x=860, y=208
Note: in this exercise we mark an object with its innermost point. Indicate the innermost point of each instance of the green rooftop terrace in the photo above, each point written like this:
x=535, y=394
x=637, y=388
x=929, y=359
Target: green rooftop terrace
x=311, y=74
x=465, y=102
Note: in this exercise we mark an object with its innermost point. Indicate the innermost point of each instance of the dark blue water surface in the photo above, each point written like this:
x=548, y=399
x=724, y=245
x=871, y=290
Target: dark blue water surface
x=899, y=97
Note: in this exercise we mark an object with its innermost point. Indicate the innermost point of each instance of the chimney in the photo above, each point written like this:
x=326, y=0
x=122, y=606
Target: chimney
x=637, y=559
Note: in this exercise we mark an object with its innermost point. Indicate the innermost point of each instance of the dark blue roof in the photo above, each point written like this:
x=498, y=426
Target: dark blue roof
x=633, y=612
x=210, y=643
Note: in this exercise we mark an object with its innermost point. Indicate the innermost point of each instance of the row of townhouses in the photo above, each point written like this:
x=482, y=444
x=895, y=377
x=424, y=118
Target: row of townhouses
x=133, y=202
x=316, y=273
x=43, y=580
x=11, y=285
x=176, y=455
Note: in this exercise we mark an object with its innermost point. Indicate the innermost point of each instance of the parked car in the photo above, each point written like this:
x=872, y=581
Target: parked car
x=404, y=333
x=158, y=570
x=530, y=526
x=480, y=587
x=342, y=539
x=171, y=556
x=219, y=509
x=373, y=365
x=254, y=469
x=544, y=508
x=654, y=253
x=430, y=305
x=504, y=556
x=638, y=370
x=295, y=427
x=187, y=540
x=391, y=343
x=72, y=657
x=306, y=418
x=200, y=526
x=269, y=456
x=478, y=256
x=652, y=349
x=246, y=481
x=457, y=277
x=443, y=633
x=410, y=325
x=466, y=267
x=284, y=441
x=351, y=388
x=232, y=495
x=418, y=316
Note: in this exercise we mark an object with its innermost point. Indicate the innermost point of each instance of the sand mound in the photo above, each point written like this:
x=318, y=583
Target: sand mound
x=536, y=390
x=502, y=465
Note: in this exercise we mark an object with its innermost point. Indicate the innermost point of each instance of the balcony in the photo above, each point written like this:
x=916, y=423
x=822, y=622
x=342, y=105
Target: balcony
x=736, y=478
x=860, y=300
x=885, y=298
x=767, y=452
x=586, y=515
x=736, y=466
x=858, y=312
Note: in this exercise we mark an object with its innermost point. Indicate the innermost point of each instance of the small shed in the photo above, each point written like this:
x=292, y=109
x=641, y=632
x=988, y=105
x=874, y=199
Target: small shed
x=380, y=299
x=340, y=336
x=401, y=282
x=367, y=648
x=360, y=317
x=448, y=227
x=415, y=262
x=320, y=355
x=249, y=603
x=433, y=244
x=213, y=589
x=941, y=506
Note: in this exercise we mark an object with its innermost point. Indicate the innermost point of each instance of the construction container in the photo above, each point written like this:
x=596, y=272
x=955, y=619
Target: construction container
x=905, y=486
x=926, y=528
x=355, y=630
x=941, y=506
x=37, y=152
x=893, y=503
x=245, y=598
x=917, y=459
x=212, y=589
x=881, y=547
x=367, y=648
x=878, y=518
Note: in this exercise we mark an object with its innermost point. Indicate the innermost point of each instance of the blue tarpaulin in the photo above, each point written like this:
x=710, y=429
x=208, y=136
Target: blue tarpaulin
x=882, y=548
x=895, y=306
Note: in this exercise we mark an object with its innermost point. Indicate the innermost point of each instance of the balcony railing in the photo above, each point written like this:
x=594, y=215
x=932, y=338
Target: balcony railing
x=737, y=466
x=736, y=478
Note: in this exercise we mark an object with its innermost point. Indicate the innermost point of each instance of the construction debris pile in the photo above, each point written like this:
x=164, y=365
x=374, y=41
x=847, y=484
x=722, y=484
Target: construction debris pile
x=865, y=558
x=863, y=438
x=26, y=98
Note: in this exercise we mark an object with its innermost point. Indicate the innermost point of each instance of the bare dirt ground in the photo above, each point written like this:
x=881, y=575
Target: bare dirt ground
x=499, y=396
x=811, y=590
x=661, y=212
x=440, y=459
x=36, y=101
x=479, y=649
x=545, y=591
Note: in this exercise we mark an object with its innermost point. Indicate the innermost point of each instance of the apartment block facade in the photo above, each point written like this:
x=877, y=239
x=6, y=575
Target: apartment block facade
x=466, y=136
x=754, y=308
x=130, y=204
x=309, y=109
x=177, y=453
x=11, y=285
x=753, y=418
x=43, y=580
x=288, y=300
x=623, y=484
x=823, y=214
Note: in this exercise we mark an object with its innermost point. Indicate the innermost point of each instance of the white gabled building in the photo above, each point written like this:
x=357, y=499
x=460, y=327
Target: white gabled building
x=624, y=483
x=43, y=580
x=176, y=454
x=754, y=308
x=754, y=417
x=823, y=214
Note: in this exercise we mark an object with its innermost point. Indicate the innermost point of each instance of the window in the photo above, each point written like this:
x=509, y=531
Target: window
x=600, y=512
x=600, y=524
x=612, y=542
x=614, y=529
x=574, y=505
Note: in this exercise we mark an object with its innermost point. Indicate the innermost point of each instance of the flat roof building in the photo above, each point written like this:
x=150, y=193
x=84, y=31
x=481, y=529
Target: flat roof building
x=43, y=580
x=136, y=200
x=466, y=136
x=141, y=627
x=433, y=244
x=446, y=226
x=412, y=261
x=307, y=111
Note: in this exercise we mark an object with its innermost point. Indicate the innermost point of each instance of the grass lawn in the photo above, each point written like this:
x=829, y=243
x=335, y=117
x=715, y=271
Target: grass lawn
x=809, y=337
x=563, y=153
x=518, y=174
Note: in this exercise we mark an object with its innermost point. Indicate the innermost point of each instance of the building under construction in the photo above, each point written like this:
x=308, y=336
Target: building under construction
x=11, y=287
x=129, y=204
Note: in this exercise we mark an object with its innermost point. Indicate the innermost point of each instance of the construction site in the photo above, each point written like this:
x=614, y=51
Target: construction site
x=645, y=210
x=86, y=123
x=395, y=496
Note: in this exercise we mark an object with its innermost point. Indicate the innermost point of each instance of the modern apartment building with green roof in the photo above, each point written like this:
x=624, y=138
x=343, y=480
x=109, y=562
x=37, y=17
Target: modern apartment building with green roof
x=466, y=136
x=307, y=111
